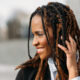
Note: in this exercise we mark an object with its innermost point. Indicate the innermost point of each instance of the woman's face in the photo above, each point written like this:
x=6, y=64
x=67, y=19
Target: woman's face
x=39, y=40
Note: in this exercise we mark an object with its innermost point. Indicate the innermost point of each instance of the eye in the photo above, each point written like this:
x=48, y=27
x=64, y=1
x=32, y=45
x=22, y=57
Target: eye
x=32, y=35
x=40, y=34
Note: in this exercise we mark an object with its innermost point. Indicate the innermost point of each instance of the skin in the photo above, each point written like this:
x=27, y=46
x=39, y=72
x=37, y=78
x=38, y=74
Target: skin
x=44, y=51
x=39, y=40
x=70, y=52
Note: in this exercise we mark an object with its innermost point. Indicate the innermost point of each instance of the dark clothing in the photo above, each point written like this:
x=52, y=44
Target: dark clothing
x=29, y=73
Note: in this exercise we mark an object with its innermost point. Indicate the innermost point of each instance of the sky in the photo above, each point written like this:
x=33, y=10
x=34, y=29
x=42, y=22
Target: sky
x=7, y=7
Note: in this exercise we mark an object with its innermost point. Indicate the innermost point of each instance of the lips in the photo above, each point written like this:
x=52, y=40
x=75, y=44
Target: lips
x=40, y=50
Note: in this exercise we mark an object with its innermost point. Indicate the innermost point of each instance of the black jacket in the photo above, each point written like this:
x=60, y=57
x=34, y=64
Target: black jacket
x=29, y=73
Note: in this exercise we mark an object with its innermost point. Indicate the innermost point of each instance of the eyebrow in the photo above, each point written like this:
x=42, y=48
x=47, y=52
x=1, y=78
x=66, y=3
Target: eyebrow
x=36, y=32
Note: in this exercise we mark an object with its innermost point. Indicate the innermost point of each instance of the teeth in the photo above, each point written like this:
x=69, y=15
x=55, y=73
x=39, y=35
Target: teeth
x=39, y=50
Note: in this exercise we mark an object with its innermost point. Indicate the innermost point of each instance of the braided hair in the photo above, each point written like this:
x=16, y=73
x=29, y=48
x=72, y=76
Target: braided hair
x=63, y=22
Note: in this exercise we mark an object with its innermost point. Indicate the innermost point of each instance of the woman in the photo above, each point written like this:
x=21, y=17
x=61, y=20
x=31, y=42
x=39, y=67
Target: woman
x=56, y=37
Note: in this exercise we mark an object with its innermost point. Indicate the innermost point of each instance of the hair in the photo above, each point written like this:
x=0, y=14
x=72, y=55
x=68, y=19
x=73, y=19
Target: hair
x=63, y=22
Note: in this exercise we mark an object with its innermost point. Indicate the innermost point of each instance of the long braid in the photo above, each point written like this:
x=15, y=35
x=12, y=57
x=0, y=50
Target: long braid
x=59, y=25
x=46, y=16
x=57, y=51
x=63, y=70
x=69, y=21
x=29, y=34
x=72, y=28
x=75, y=33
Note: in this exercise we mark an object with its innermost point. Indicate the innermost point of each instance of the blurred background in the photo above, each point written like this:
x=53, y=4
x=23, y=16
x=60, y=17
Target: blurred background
x=14, y=20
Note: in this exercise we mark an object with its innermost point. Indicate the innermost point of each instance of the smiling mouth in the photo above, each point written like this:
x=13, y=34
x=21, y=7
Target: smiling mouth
x=40, y=50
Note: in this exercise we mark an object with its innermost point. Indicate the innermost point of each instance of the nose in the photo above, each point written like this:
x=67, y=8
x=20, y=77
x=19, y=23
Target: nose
x=35, y=41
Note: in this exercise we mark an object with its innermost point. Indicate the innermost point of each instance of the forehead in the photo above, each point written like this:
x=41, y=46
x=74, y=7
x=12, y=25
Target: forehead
x=36, y=20
x=36, y=23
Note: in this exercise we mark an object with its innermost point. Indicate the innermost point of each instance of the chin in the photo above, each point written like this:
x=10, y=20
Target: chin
x=43, y=58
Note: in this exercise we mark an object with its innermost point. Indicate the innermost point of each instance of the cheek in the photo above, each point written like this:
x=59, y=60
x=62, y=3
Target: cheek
x=43, y=41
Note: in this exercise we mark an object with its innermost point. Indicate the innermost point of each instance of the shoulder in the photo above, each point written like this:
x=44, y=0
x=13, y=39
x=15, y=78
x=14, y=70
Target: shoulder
x=25, y=73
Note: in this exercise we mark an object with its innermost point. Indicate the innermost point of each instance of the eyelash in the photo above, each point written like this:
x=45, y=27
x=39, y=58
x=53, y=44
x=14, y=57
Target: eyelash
x=38, y=35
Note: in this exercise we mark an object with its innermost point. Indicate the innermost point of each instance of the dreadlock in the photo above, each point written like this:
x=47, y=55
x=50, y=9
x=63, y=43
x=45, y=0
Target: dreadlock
x=63, y=22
